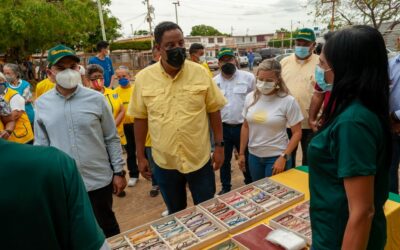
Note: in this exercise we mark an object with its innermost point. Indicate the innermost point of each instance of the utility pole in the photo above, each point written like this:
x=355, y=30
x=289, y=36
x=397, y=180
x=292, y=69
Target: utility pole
x=103, y=31
x=231, y=30
x=291, y=34
x=149, y=19
x=133, y=34
x=333, y=12
x=176, y=10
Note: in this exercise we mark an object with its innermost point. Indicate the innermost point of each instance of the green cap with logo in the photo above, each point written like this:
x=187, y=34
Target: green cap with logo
x=306, y=34
x=58, y=52
x=225, y=52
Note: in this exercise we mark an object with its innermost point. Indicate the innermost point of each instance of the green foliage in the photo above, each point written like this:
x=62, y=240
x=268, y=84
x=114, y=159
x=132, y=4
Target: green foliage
x=141, y=32
x=205, y=30
x=277, y=43
x=32, y=26
x=351, y=12
x=135, y=45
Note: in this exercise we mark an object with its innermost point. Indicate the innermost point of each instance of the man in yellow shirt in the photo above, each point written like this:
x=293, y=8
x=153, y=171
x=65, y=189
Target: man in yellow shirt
x=124, y=91
x=298, y=73
x=196, y=51
x=172, y=99
x=44, y=86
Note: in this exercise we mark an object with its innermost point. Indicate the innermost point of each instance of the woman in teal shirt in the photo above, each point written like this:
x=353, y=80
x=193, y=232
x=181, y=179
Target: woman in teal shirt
x=349, y=157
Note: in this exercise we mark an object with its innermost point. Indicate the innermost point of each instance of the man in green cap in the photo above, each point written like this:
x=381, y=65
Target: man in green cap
x=235, y=84
x=298, y=74
x=78, y=121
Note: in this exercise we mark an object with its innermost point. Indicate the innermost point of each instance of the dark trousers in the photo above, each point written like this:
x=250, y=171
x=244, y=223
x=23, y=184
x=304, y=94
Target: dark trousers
x=130, y=148
x=232, y=140
x=172, y=185
x=101, y=200
x=307, y=135
x=394, y=167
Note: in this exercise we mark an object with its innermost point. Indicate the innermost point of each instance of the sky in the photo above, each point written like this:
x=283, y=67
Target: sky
x=245, y=17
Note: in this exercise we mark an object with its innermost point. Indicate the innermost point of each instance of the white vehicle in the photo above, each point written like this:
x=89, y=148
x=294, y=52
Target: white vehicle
x=211, y=61
x=243, y=60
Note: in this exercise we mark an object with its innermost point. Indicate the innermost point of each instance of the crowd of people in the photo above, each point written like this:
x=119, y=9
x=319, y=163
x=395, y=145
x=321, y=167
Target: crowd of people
x=178, y=124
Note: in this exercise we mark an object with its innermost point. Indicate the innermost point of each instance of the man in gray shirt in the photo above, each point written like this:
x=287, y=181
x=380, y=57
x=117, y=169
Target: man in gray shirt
x=78, y=121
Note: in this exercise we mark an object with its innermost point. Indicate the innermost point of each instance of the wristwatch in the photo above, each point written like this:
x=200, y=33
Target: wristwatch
x=285, y=156
x=219, y=144
x=121, y=173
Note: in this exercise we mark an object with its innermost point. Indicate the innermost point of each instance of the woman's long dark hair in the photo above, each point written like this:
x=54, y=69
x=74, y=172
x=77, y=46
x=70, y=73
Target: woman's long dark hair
x=358, y=58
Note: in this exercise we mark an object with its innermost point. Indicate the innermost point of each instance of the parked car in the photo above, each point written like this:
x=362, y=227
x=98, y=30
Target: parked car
x=257, y=58
x=280, y=57
x=242, y=60
x=212, y=62
x=288, y=51
x=270, y=53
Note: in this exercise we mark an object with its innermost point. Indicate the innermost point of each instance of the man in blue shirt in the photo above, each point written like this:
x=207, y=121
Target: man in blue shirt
x=104, y=61
x=394, y=65
x=250, y=57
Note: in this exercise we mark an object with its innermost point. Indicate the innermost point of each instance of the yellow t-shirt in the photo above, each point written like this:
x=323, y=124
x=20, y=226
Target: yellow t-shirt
x=125, y=95
x=44, y=86
x=177, y=113
x=205, y=65
x=115, y=103
x=298, y=76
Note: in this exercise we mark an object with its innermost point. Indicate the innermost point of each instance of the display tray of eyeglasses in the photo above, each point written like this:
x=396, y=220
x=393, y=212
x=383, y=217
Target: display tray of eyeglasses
x=191, y=228
x=251, y=203
x=229, y=244
x=296, y=220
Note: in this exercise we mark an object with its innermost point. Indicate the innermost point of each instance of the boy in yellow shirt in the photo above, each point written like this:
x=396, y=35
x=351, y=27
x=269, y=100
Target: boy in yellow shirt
x=124, y=91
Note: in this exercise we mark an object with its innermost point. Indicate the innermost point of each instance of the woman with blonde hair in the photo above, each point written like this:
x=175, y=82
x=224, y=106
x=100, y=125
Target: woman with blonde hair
x=268, y=111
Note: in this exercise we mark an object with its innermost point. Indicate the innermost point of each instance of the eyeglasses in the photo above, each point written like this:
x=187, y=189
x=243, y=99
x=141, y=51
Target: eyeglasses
x=285, y=219
x=96, y=78
x=147, y=243
x=179, y=238
x=193, y=218
x=227, y=215
x=207, y=231
x=216, y=207
x=228, y=246
x=260, y=197
x=240, y=204
x=143, y=235
x=173, y=232
x=165, y=225
x=222, y=211
x=185, y=244
x=186, y=216
x=196, y=223
x=236, y=221
x=254, y=212
x=271, y=204
x=288, y=195
x=247, y=191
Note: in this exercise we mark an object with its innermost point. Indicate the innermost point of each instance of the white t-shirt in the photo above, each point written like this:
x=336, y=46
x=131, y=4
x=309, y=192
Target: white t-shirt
x=17, y=102
x=268, y=120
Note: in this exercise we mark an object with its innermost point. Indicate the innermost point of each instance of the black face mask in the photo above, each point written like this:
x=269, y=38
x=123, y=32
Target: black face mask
x=228, y=68
x=176, y=57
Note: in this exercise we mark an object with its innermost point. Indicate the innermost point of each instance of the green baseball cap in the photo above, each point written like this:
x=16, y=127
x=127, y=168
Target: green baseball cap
x=225, y=52
x=60, y=51
x=306, y=34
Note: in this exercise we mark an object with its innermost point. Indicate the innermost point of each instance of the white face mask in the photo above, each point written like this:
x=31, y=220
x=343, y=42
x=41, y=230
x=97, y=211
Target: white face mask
x=68, y=78
x=266, y=87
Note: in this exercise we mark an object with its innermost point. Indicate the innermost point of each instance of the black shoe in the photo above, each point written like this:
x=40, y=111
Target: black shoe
x=223, y=191
x=155, y=190
x=122, y=194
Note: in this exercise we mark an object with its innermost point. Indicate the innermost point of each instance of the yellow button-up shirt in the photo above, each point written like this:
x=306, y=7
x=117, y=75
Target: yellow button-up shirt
x=298, y=76
x=177, y=112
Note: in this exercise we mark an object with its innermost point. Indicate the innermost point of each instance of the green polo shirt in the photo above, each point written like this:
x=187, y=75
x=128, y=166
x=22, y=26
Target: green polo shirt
x=352, y=145
x=43, y=201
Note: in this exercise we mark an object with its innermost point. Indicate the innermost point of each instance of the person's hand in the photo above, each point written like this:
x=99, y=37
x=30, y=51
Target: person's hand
x=314, y=125
x=396, y=128
x=279, y=165
x=218, y=158
x=4, y=134
x=242, y=163
x=119, y=184
x=144, y=168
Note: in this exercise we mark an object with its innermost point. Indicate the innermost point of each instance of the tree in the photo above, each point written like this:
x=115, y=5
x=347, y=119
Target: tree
x=351, y=12
x=141, y=32
x=32, y=26
x=204, y=30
